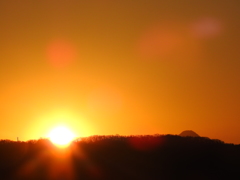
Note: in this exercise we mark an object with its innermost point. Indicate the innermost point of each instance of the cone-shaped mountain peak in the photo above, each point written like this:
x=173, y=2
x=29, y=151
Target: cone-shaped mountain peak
x=188, y=133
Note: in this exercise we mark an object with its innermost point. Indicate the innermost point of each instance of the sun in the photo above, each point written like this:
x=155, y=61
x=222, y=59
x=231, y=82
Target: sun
x=61, y=136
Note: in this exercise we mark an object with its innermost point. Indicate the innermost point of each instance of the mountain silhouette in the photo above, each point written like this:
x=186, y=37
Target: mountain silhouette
x=188, y=133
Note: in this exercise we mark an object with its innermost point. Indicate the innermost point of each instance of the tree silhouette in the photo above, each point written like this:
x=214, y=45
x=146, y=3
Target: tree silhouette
x=121, y=157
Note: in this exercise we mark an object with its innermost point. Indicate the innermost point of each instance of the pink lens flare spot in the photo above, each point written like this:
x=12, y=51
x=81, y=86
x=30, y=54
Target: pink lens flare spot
x=61, y=53
x=159, y=41
x=206, y=28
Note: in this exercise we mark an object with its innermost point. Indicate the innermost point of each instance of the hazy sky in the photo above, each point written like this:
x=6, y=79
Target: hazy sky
x=120, y=67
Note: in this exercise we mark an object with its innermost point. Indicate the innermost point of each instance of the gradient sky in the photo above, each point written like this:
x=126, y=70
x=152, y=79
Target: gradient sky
x=120, y=67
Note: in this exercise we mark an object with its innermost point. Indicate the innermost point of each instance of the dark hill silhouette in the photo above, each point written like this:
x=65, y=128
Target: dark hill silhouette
x=189, y=133
x=145, y=157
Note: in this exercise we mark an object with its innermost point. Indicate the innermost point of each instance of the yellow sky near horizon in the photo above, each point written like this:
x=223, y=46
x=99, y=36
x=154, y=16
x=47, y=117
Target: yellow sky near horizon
x=120, y=67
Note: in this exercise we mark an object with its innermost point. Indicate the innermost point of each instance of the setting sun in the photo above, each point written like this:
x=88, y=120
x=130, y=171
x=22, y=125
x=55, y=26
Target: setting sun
x=61, y=136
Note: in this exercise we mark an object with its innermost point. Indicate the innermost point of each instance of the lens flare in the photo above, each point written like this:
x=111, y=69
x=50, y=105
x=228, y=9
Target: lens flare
x=206, y=28
x=61, y=53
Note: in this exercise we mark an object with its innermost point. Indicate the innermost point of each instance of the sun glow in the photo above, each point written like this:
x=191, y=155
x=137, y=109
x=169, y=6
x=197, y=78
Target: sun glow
x=61, y=136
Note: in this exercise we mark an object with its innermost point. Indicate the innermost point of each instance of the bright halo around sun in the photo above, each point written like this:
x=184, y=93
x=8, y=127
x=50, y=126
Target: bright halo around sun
x=61, y=136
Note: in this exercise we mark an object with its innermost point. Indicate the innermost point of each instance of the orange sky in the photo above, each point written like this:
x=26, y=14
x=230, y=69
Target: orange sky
x=120, y=67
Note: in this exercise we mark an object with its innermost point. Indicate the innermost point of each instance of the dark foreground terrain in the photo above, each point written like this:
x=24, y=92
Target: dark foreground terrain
x=120, y=157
